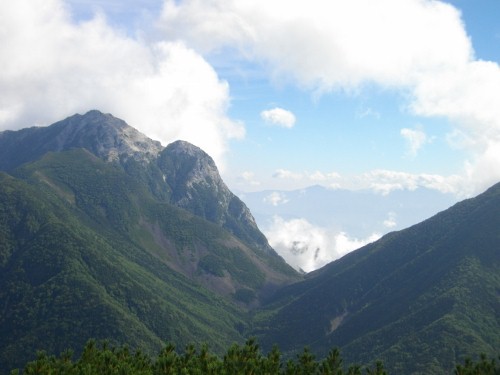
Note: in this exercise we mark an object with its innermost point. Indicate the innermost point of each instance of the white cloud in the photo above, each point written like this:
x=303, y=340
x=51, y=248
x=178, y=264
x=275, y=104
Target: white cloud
x=249, y=178
x=286, y=174
x=416, y=138
x=320, y=176
x=329, y=179
x=276, y=198
x=467, y=95
x=385, y=181
x=390, y=222
x=279, y=116
x=308, y=247
x=328, y=44
x=417, y=46
x=53, y=67
x=368, y=112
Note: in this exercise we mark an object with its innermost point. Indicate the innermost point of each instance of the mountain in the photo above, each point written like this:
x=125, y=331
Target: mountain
x=66, y=277
x=180, y=174
x=106, y=234
x=421, y=299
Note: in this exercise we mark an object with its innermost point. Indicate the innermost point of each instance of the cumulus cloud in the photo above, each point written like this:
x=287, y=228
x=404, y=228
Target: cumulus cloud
x=307, y=247
x=279, y=116
x=53, y=67
x=327, y=46
x=416, y=138
x=467, y=96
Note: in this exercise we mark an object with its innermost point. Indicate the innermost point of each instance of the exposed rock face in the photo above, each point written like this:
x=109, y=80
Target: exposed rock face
x=180, y=173
x=105, y=136
x=197, y=186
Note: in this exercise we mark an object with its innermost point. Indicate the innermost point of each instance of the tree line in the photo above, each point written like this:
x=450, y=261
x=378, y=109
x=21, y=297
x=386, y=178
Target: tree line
x=247, y=359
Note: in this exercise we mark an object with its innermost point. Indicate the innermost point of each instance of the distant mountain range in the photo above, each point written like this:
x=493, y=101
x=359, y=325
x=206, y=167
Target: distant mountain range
x=106, y=234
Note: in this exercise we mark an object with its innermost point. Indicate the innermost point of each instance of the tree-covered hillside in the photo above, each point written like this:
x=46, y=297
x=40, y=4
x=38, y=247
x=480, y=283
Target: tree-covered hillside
x=86, y=251
x=105, y=234
x=420, y=299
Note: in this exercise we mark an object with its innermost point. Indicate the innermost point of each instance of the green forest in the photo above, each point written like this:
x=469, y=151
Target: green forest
x=103, y=359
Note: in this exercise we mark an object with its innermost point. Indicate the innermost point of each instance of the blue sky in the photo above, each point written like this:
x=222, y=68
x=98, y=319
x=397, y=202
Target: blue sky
x=387, y=94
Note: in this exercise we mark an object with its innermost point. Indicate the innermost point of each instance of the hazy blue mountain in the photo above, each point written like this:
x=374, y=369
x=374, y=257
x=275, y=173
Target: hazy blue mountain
x=420, y=299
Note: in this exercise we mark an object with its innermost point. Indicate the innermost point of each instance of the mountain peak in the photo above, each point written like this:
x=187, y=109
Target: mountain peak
x=181, y=173
x=104, y=135
x=193, y=177
x=185, y=147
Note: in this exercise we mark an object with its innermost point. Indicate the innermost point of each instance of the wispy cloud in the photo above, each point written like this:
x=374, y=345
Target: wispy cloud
x=390, y=222
x=276, y=198
x=286, y=174
x=249, y=178
x=416, y=139
x=385, y=181
x=279, y=116
x=381, y=181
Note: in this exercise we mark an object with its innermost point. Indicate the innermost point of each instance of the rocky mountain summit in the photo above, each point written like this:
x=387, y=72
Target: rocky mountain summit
x=105, y=136
x=196, y=186
x=181, y=173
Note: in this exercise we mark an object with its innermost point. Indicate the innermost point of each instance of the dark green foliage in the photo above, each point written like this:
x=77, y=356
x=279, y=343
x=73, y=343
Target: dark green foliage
x=421, y=299
x=484, y=366
x=211, y=264
x=145, y=249
x=246, y=359
x=88, y=251
x=245, y=295
x=72, y=266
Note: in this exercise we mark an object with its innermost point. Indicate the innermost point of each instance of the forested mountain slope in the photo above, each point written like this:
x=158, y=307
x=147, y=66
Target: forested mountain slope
x=94, y=243
x=420, y=299
x=106, y=234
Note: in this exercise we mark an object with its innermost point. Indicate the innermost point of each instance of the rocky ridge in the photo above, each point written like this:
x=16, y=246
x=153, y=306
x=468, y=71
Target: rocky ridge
x=180, y=174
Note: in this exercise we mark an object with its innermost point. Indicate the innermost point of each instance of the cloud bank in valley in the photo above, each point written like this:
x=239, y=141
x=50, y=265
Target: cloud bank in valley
x=308, y=247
